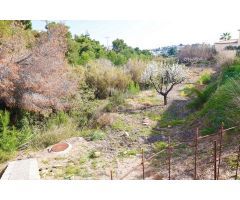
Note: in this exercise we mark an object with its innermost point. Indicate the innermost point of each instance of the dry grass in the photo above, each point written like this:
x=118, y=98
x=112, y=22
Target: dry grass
x=54, y=135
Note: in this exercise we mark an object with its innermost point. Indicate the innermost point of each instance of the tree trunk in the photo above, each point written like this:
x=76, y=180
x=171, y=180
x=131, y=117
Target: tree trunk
x=165, y=100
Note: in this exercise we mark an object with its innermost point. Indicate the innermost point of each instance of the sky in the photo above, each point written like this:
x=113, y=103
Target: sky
x=144, y=34
x=154, y=23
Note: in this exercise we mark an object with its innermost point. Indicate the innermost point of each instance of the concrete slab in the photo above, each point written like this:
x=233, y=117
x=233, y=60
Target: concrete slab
x=22, y=170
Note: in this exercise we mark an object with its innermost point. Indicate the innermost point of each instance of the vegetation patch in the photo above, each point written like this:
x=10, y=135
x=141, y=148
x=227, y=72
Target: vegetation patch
x=98, y=135
x=187, y=90
x=121, y=125
x=128, y=152
x=232, y=161
x=73, y=170
x=219, y=101
x=159, y=146
x=205, y=78
x=153, y=116
x=170, y=123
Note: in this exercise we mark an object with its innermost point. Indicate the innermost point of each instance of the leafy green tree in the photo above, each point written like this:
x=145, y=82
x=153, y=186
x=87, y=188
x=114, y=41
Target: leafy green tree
x=121, y=52
x=117, y=58
x=26, y=23
x=82, y=49
x=119, y=45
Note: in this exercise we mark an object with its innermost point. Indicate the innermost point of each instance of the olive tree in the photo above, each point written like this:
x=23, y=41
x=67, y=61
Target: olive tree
x=164, y=76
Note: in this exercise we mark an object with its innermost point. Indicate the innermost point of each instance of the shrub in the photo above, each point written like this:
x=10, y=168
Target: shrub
x=187, y=90
x=202, y=96
x=160, y=145
x=219, y=101
x=135, y=67
x=121, y=125
x=105, y=119
x=85, y=104
x=196, y=53
x=8, y=135
x=57, y=119
x=11, y=139
x=105, y=78
x=44, y=137
x=98, y=135
x=5, y=156
x=133, y=88
x=204, y=79
x=225, y=59
x=37, y=79
x=232, y=161
x=116, y=100
x=219, y=108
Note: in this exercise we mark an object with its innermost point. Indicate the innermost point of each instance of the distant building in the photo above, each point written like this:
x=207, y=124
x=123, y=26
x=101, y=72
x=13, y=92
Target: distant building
x=222, y=44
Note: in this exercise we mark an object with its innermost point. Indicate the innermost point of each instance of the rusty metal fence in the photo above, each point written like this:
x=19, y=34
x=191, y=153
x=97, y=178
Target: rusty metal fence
x=217, y=141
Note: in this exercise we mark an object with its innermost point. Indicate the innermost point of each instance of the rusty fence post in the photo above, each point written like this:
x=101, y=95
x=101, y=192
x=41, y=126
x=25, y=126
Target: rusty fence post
x=220, y=150
x=169, y=158
x=238, y=158
x=143, y=167
x=111, y=175
x=196, y=152
x=215, y=159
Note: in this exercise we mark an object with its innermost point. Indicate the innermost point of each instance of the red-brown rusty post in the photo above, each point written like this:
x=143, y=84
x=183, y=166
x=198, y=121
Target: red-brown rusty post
x=143, y=167
x=169, y=158
x=111, y=175
x=195, y=158
x=220, y=150
x=215, y=159
x=238, y=158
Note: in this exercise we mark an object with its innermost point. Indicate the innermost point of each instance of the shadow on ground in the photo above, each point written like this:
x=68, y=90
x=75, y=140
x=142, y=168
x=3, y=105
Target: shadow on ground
x=172, y=123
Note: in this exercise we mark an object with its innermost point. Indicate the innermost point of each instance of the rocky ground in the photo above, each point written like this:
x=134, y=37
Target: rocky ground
x=137, y=125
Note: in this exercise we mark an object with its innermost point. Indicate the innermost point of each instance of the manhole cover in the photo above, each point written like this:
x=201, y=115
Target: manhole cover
x=60, y=147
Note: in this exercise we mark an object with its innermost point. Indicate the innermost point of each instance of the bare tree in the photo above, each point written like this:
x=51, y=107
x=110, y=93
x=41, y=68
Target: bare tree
x=163, y=77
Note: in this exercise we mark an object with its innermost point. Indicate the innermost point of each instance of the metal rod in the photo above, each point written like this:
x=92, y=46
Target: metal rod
x=169, y=158
x=238, y=158
x=111, y=175
x=220, y=150
x=215, y=159
x=143, y=167
x=196, y=152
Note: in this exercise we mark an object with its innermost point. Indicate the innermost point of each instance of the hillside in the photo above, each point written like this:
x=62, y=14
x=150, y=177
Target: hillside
x=120, y=110
x=141, y=122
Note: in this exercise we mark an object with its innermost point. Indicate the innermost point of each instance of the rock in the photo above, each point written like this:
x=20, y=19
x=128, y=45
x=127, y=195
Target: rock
x=121, y=144
x=146, y=121
x=96, y=154
x=141, y=139
x=125, y=134
x=129, y=145
x=125, y=153
x=57, y=166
